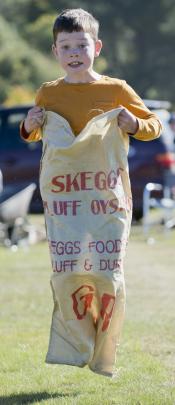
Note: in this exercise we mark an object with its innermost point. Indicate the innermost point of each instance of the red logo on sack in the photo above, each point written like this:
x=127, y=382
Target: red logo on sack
x=82, y=300
x=108, y=302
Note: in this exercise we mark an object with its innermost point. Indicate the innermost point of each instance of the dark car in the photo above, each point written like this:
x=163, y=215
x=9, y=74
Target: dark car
x=152, y=162
x=19, y=161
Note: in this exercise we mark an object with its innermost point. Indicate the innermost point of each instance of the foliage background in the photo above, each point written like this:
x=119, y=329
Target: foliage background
x=138, y=39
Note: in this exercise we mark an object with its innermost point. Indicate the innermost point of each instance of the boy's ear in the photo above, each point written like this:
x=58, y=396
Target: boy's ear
x=54, y=50
x=98, y=46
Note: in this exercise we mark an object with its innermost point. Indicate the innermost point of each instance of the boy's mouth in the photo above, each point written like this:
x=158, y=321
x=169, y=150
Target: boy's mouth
x=75, y=64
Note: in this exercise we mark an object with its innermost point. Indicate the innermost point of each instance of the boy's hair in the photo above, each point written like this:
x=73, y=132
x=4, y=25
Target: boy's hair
x=76, y=20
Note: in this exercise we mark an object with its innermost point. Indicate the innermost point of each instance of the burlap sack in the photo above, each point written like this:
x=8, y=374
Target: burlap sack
x=86, y=194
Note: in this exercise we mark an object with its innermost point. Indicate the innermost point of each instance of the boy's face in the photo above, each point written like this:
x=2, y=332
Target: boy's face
x=76, y=52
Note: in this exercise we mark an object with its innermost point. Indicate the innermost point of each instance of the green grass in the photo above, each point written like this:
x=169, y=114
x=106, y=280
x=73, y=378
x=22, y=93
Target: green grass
x=146, y=358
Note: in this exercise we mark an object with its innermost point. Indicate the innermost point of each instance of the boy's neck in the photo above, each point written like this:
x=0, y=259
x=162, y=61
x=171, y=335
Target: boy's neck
x=85, y=77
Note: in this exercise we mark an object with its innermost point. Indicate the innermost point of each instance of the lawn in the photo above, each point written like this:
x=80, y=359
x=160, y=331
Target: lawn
x=146, y=358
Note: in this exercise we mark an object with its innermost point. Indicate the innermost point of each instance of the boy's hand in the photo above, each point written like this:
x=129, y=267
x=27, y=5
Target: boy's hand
x=127, y=122
x=34, y=119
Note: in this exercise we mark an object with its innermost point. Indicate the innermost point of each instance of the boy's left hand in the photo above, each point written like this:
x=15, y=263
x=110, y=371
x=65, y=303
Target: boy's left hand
x=127, y=122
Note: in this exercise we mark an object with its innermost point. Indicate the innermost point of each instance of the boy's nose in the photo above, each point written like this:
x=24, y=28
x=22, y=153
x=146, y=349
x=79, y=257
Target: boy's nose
x=74, y=52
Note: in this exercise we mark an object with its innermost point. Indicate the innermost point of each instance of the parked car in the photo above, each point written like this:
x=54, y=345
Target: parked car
x=148, y=161
x=152, y=162
x=19, y=161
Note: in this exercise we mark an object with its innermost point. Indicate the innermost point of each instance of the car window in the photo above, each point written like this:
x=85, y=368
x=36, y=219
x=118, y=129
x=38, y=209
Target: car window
x=165, y=141
x=9, y=131
x=167, y=135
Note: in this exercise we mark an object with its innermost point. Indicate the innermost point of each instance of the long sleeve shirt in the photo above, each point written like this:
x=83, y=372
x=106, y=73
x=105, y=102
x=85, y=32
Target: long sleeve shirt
x=78, y=103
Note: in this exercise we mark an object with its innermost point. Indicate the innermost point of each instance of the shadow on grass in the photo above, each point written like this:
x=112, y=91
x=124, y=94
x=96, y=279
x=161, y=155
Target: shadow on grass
x=22, y=398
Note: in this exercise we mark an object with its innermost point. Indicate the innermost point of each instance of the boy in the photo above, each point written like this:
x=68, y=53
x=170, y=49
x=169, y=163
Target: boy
x=85, y=120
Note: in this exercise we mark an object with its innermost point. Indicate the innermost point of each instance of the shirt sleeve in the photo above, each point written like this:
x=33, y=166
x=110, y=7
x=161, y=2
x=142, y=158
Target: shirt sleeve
x=149, y=126
x=35, y=135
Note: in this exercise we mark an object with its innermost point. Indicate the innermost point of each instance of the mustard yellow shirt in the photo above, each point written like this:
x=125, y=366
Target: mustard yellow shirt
x=80, y=102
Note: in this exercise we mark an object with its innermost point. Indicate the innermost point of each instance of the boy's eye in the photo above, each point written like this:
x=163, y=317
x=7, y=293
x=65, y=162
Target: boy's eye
x=65, y=47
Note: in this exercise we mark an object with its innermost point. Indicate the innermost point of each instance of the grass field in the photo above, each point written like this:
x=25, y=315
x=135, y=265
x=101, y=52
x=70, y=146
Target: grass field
x=146, y=358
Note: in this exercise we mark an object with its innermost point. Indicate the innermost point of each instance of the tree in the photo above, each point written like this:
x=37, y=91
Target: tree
x=24, y=66
x=138, y=42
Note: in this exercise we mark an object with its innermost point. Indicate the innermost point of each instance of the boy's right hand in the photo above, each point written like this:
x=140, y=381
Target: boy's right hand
x=35, y=119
